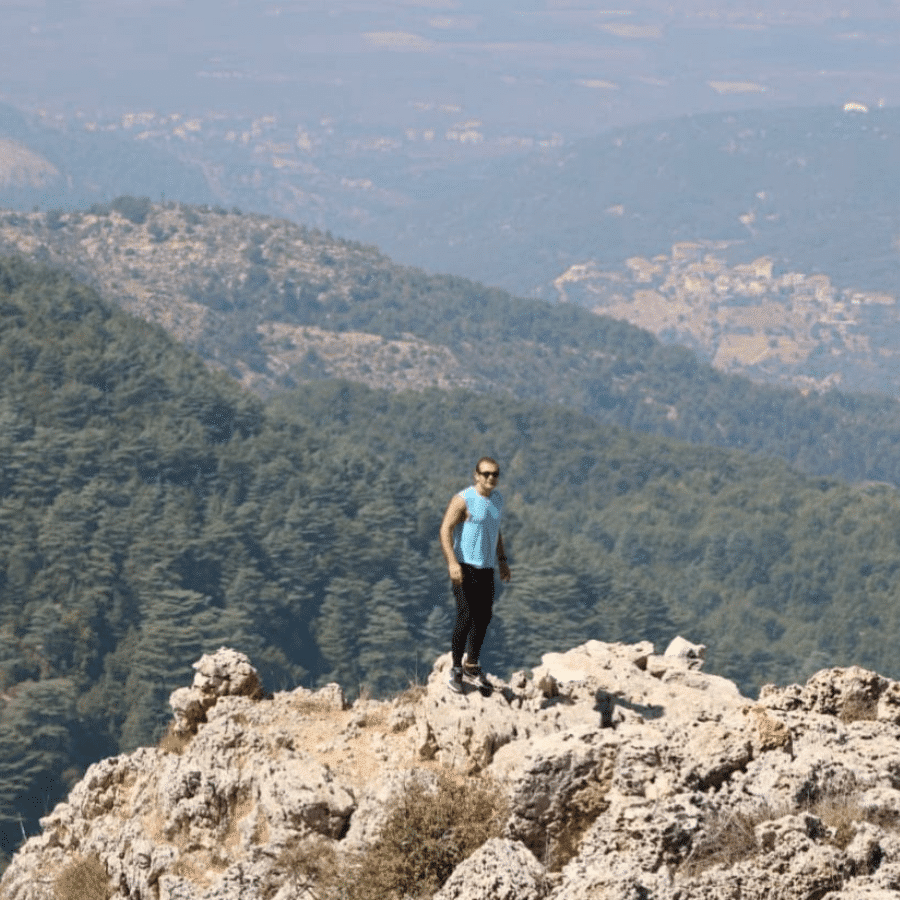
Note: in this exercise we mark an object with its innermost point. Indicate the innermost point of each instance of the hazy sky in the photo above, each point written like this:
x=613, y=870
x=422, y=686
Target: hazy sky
x=546, y=65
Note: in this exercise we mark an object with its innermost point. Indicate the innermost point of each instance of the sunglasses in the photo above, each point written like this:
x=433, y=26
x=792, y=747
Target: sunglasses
x=494, y=473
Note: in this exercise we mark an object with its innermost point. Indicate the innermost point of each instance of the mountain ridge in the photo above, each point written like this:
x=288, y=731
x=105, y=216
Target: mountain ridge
x=807, y=188
x=277, y=305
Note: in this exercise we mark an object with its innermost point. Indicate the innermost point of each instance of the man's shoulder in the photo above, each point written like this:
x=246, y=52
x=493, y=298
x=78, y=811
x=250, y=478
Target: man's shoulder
x=460, y=498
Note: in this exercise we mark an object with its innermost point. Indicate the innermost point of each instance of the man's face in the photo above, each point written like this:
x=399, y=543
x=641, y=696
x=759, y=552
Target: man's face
x=486, y=477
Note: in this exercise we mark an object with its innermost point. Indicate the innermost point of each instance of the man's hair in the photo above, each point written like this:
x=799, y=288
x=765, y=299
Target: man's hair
x=486, y=459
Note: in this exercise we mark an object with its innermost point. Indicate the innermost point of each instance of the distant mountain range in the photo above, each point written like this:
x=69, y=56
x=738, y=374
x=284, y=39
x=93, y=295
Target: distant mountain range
x=58, y=164
x=277, y=305
x=655, y=224
x=813, y=188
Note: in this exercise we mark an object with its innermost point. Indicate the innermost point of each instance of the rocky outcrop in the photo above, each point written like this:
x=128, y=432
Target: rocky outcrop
x=223, y=674
x=500, y=870
x=625, y=774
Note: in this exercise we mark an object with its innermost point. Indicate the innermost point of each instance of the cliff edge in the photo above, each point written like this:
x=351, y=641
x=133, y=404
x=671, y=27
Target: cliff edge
x=610, y=771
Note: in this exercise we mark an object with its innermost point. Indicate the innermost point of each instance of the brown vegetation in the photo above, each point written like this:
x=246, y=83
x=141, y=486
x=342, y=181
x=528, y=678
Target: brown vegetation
x=85, y=878
x=172, y=741
x=730, y=837
x=427, y=834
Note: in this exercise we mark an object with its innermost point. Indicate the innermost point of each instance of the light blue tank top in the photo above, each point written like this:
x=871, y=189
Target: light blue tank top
x=475, y=539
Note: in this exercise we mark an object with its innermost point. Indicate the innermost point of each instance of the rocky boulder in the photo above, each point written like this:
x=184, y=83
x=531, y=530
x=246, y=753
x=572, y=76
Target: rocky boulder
x=225, y=673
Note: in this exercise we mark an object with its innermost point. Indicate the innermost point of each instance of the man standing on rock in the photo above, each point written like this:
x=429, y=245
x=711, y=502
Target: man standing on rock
x=473, y=545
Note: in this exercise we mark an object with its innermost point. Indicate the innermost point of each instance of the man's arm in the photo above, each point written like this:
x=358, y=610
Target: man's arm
x=456, y=513
x=502, y=564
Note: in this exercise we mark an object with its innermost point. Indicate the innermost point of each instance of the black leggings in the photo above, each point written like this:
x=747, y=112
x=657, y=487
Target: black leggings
x=474, y=606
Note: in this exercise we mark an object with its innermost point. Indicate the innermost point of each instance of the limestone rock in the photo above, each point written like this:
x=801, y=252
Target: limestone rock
x=331, y=696
x=680, y=653
x=500, y=870
x=555, y=784
x=626, y=773
x=592, y=658
x=851, y=694
x=770, y=732
x=225, y=673
x=463, y=731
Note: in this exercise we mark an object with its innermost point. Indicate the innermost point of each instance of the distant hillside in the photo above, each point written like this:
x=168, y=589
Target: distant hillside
x=814, y=188
x=663, y=224
x=58, y=164
x=775, y=326
x=276, y=305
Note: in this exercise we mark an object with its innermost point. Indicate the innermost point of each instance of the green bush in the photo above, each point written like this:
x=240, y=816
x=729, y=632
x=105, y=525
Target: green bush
x=135, y=209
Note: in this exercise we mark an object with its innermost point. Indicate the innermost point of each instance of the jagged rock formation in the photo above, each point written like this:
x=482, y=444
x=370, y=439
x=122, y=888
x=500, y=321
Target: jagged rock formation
x=627, y=774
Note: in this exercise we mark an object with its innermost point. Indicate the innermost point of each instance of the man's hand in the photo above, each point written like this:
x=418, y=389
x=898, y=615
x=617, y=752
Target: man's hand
x=505, y=574
x=455, y=570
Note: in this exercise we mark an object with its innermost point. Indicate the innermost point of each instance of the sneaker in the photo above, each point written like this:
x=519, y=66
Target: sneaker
x=455, y=680
x=473, y=673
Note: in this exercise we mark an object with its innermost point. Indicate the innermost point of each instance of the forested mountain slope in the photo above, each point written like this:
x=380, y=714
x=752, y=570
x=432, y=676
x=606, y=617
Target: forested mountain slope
x=276, y=305
x=152, y=510
x=779, y=573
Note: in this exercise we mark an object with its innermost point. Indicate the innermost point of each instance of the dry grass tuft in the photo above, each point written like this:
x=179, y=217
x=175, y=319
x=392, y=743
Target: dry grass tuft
x=84, y=878
x=729, y=838
x=312, y=868
x=427, y=834
x=373, y=717
x=412, y=695
x=841, y=816
x=172, y=742
x=310, y=706
x=843, y=812
x=859, y=709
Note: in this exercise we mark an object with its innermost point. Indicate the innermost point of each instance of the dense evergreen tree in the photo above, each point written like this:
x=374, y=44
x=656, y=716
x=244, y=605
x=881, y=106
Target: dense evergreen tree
x=435, y=634
x=36, y=723
x=386, y=645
